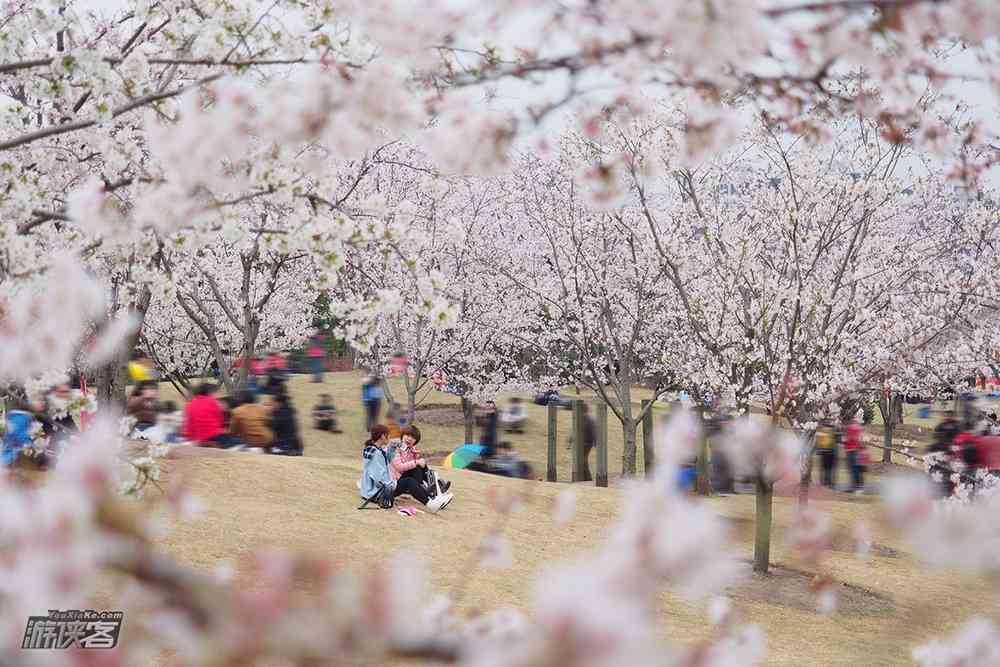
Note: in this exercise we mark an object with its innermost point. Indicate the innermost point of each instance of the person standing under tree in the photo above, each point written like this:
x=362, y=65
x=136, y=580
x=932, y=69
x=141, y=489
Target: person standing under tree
x=371, y=398
x=826, y=447
x=315, y=354
x=855, y=449
x=488, y=437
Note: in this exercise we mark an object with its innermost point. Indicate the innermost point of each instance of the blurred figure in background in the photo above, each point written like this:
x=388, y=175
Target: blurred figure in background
x=723, y=481
x=141, y=368
x=371, y=399
x=391, y=423
x=314, y=351
x=17, y=431
x=946, y=431
x=51, y=410
x=505, y=462
x=285, y=425
x=855, y=450
x=143, y=406
x=204, y=420
x=488, y=435
x=170, y=421
x=826, y=448
x=325, y=414
x=514, y=417
x=251, y=420
x=966, y=447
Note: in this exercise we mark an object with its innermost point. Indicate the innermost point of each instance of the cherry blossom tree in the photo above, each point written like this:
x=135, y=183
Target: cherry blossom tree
x=122, y=135
x=241, y=299
x=583, y=288
x=784, y=259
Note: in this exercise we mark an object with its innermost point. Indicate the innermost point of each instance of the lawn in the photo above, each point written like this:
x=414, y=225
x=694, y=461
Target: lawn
x=308, y=503
x=438, y=439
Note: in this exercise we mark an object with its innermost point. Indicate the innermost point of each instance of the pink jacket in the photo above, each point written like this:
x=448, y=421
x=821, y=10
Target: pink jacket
x=404, y=461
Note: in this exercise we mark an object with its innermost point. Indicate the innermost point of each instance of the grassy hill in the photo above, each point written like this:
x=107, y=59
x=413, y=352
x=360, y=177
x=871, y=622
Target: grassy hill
x=890, y=604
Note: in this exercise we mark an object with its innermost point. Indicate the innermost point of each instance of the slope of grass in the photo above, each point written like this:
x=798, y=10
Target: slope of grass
x=309, y=503
x=439, y=440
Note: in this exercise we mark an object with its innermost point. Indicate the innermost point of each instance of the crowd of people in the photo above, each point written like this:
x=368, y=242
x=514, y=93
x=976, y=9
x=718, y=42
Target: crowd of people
x=831, y=439
x=259, y=418
x=38, y=428
x=960, y=448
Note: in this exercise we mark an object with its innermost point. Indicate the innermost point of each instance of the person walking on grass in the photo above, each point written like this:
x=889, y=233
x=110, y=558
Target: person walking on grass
x=315, y=354
x=377, y=483
x=854, y=447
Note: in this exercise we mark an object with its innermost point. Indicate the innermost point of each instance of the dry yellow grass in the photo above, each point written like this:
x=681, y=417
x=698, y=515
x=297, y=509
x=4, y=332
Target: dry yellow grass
x=532, y=444
x=309, y=504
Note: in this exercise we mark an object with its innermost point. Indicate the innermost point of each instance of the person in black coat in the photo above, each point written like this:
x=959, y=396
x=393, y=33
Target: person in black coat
x=488, y=437
x=285, y=426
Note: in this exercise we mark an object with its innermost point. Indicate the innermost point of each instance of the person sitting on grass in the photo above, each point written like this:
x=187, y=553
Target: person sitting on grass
x=506, y=462
x=324, y=414
x=171, y=419
x=377, y=484
x=143, y=406
x=409, y=462
x=285, y=425
x=251, y=421
x=204, y=420
x=514, y=417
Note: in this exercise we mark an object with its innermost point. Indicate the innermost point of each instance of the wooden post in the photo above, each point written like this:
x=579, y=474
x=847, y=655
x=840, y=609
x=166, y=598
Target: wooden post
x=648, y=457
x=550, y=469
x=469, y=423
x=577, y=452
x=601, y=476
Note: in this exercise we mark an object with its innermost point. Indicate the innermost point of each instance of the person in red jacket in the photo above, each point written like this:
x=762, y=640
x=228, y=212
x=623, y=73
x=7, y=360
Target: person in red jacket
x=204, y=420
x=854, y=447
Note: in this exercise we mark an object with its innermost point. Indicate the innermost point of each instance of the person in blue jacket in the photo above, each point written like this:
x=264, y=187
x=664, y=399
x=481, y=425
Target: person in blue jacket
x=376, y=480
x=371, y=397
x=17, y=435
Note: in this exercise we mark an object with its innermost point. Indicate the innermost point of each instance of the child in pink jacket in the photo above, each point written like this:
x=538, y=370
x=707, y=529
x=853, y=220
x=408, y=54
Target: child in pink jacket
x=410, y=462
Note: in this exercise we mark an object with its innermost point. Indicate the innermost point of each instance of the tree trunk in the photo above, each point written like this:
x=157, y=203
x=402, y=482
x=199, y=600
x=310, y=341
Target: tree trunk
x=762, y=536
x=411, y=402
x=809, y=456
x=112, y=381
x=467, y=410
x=887, y=430
x=112, y=378
x=888, y=405
x=628, y=435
